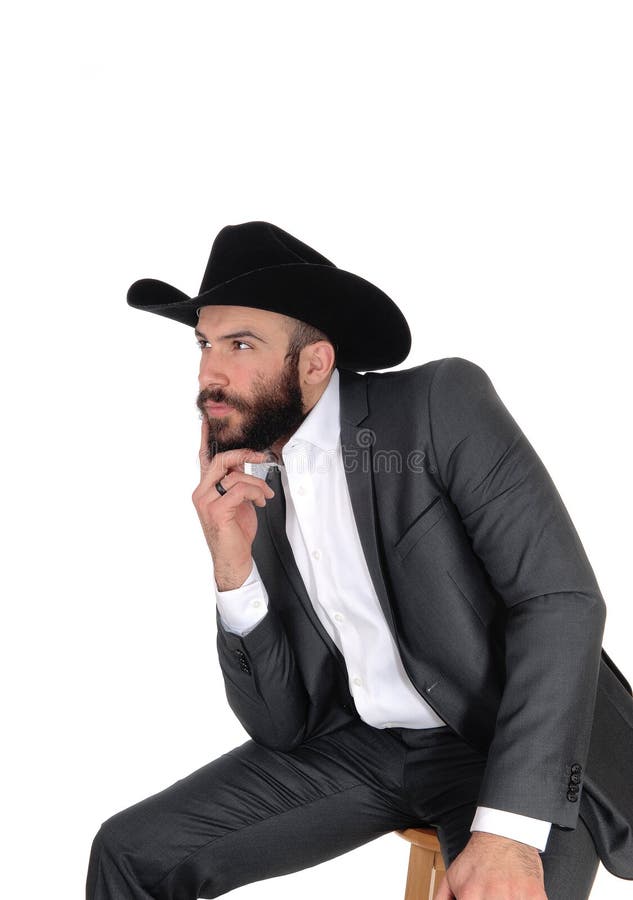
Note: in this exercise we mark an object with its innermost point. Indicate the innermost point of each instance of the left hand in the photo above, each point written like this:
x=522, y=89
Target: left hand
x=494, y=868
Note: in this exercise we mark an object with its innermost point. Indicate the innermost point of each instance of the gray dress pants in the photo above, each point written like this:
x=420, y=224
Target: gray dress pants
x=255, y=813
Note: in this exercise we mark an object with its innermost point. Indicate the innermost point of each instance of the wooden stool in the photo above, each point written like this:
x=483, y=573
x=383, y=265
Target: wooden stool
x=426, y=866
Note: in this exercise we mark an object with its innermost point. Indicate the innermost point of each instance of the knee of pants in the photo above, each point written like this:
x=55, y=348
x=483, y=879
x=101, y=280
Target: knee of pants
x=124, y=852
x=114, y=833
x=153, y=856
x=127, y=849
x=129, y=841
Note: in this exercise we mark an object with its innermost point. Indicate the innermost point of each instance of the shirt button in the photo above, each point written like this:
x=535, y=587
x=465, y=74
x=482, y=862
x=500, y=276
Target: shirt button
x=357, y=681
x=257, y=603
x=339, y=617
x=301, y=489
x=316, y=554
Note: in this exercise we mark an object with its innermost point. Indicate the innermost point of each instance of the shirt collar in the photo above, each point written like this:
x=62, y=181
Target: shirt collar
x=321, y=427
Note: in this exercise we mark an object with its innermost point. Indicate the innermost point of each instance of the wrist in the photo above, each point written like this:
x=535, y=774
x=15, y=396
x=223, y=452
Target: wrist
x=228, y=578
x=487, y=838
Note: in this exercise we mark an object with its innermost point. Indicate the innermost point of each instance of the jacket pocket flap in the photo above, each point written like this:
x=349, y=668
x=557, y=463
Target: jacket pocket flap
x=426, y=520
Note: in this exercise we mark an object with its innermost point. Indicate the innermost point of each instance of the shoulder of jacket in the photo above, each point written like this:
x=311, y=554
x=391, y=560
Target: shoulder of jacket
x=455, y=373
x=447, y=368
x=453, y=380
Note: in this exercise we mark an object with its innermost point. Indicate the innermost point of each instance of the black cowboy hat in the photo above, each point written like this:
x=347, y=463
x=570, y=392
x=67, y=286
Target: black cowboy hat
x=259, y=265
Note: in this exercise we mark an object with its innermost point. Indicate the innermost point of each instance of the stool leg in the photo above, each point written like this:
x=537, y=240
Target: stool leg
x=439, y=870
x=419, y=874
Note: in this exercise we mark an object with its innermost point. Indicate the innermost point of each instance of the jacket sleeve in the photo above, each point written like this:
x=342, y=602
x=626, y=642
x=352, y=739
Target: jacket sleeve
x=262, y=682
x=520, y=529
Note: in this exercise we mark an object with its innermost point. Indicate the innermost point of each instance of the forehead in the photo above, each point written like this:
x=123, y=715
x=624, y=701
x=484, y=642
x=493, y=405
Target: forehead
x=215, y=317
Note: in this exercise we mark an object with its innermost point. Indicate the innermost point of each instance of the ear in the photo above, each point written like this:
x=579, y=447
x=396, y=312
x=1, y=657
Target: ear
x=316, y=362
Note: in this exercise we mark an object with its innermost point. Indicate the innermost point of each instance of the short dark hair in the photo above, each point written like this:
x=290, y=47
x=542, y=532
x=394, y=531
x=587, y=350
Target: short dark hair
x=300, y=334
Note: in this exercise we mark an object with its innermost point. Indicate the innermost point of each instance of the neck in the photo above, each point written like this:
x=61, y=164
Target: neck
x=310, y=399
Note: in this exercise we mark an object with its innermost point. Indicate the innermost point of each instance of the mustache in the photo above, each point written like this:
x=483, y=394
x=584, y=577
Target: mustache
x=216, y=397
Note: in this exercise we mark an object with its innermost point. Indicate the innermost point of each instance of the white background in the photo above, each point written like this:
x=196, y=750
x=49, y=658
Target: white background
x=472, y=159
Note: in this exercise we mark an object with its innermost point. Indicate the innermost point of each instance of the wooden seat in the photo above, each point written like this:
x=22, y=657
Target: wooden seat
x=426, y=866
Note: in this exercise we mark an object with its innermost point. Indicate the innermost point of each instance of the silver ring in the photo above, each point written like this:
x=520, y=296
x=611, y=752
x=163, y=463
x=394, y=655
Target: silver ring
x=221, y=490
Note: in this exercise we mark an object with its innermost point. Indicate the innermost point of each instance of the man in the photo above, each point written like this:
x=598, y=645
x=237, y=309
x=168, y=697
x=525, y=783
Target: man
x=408, y=626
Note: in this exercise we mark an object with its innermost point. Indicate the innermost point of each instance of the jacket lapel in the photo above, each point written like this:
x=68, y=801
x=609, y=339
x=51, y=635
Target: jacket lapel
x=356, y=444
x=357, y=461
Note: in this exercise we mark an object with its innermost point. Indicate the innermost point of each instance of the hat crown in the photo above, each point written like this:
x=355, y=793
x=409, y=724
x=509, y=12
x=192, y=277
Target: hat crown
x=239, y=249
x=259, y=265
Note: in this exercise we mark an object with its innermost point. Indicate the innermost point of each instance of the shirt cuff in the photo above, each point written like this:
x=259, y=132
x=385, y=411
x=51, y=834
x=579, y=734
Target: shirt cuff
x=534, y=832
x=243, y=607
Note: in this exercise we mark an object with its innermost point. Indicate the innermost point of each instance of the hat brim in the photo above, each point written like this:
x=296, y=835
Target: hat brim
x=369, y=329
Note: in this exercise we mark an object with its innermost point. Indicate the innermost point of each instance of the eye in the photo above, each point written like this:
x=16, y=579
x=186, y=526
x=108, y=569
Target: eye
x=201, y=342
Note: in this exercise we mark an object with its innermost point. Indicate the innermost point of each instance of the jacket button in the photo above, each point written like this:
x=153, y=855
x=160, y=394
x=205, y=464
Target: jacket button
x=574, y=779
x=241, y=657
x=573, y=788
x=576, y=769
x=573, y=798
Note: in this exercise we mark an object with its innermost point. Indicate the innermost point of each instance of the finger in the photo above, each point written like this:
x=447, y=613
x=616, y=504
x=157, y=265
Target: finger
x=444, y=892
x=235, y=477
x=204, y=436
x=203, y=453
x=241, y=492
x=207, y=491
x=224, y=462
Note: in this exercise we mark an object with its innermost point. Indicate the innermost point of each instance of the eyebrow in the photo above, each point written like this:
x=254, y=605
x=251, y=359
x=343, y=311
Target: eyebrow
x=235, y=334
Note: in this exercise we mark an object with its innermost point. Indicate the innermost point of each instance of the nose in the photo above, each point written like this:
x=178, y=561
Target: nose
x=211, y=374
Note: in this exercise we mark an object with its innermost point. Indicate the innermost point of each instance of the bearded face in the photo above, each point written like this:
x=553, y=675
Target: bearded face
x=273, y=410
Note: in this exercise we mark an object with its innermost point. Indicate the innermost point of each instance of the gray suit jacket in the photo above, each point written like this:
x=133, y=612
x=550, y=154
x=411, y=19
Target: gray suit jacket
x=486, y=588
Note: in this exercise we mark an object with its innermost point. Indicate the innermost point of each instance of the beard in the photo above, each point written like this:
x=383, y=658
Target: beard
x=274, y=411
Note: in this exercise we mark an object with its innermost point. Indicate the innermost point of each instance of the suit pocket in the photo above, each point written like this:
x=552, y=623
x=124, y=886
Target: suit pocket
x=424, y=522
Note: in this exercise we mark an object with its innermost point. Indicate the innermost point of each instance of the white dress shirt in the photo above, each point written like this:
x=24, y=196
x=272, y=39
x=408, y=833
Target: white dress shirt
x=339, y=585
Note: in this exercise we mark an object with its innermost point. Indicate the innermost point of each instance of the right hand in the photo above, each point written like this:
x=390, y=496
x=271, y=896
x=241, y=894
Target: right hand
x=228, y=522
